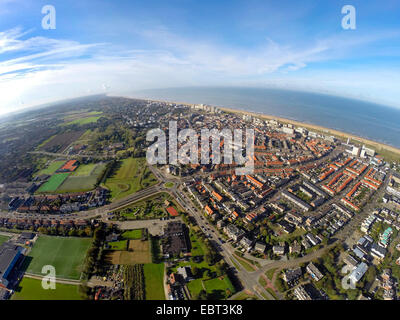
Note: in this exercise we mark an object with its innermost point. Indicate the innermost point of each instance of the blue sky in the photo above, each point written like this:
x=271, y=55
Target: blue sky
x=118, y=47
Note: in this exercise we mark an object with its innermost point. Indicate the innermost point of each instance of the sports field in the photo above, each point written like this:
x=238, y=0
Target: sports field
x=83, y=179
x=54, y=182
x=31, y=289
x=132, y=175
x=154, y=281
x=51, y=168
x=66, y=254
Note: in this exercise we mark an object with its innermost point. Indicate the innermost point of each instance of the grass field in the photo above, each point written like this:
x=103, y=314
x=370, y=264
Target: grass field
x=83, y=179
x=31, y=289
x=218, y=288
x=51, y=168
x=3, y=239
x=82, y=121
x=54, y=182
x=65, y=254
x=132, y=234
x=132, y=175
x=153, y=280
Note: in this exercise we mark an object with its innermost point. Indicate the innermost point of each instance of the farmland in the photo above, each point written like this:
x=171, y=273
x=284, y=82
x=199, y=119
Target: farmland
x=31, y=289
x=60, y=142
x=129, y=176
x=138, y=252
x=153, y=279
x=65, y=254
x=53, y=183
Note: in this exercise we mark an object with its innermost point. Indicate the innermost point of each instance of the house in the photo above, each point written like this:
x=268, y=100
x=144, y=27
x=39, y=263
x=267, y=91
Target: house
x=234, y=232
x=246, y=243
x=278, y=250
x=260, y=247
x=295, y=248
x=378, y=251
x=359, y=272
x=185, y=273
x=292, y=274
x=314, y=272
x=350, y=261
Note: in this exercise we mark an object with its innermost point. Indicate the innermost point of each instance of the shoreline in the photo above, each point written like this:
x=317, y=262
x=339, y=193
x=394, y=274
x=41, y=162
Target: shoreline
x=379, y=146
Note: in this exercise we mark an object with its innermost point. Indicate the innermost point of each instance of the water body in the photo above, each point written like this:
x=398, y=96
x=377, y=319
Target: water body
x=368, y=120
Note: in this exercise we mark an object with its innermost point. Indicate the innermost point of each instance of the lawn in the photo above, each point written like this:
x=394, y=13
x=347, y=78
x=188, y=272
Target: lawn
x=54, y=182
x=218, y=288
x=51, y=168
x=66, y=254
x=132, y=234
x=3, y=239
x=119, y=245
x=131, y=176
x=169, y=184
x=31, y=289
x=195, y=286
x=154, y=281
x=84, y=178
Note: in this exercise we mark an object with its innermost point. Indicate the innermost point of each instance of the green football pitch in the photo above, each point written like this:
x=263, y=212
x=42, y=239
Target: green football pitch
x=31, y=289
x=66, y=254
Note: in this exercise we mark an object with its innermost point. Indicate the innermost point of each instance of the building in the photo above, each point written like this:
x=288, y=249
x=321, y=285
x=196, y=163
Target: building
x=185, y=273
x=378, y=251
x=359, y=272
x=234, y=232
x=301, y=293
x=292, y=274
x=9, y=255
x=314, y=272
x=260, y=247
x=300, y=203
x=278, y=250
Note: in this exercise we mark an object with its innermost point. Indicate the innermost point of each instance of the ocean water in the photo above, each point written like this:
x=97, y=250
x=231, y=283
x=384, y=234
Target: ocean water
x=375, y=122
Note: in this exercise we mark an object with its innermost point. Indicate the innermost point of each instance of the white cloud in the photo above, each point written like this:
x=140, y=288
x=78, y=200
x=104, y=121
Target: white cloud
x=44, y=69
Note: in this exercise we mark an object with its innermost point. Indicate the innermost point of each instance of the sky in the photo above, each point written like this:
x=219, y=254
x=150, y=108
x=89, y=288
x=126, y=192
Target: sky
x=118, y=47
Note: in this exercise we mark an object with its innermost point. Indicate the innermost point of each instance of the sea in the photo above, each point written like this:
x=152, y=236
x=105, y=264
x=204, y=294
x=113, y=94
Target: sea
x=364, y=119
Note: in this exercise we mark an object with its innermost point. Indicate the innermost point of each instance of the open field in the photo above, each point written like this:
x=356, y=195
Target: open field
x=54, y=182
x=82, y=121
x=51, y=168
x=84, y=178
x=3, y=239
x=129, y=177
x=153, y=280
x=60, y=142
x=65, y=254
x=31, y=289
x=138, y=252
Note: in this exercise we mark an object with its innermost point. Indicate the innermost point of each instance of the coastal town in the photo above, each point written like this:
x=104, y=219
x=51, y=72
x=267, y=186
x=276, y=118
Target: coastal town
x=318, y=218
